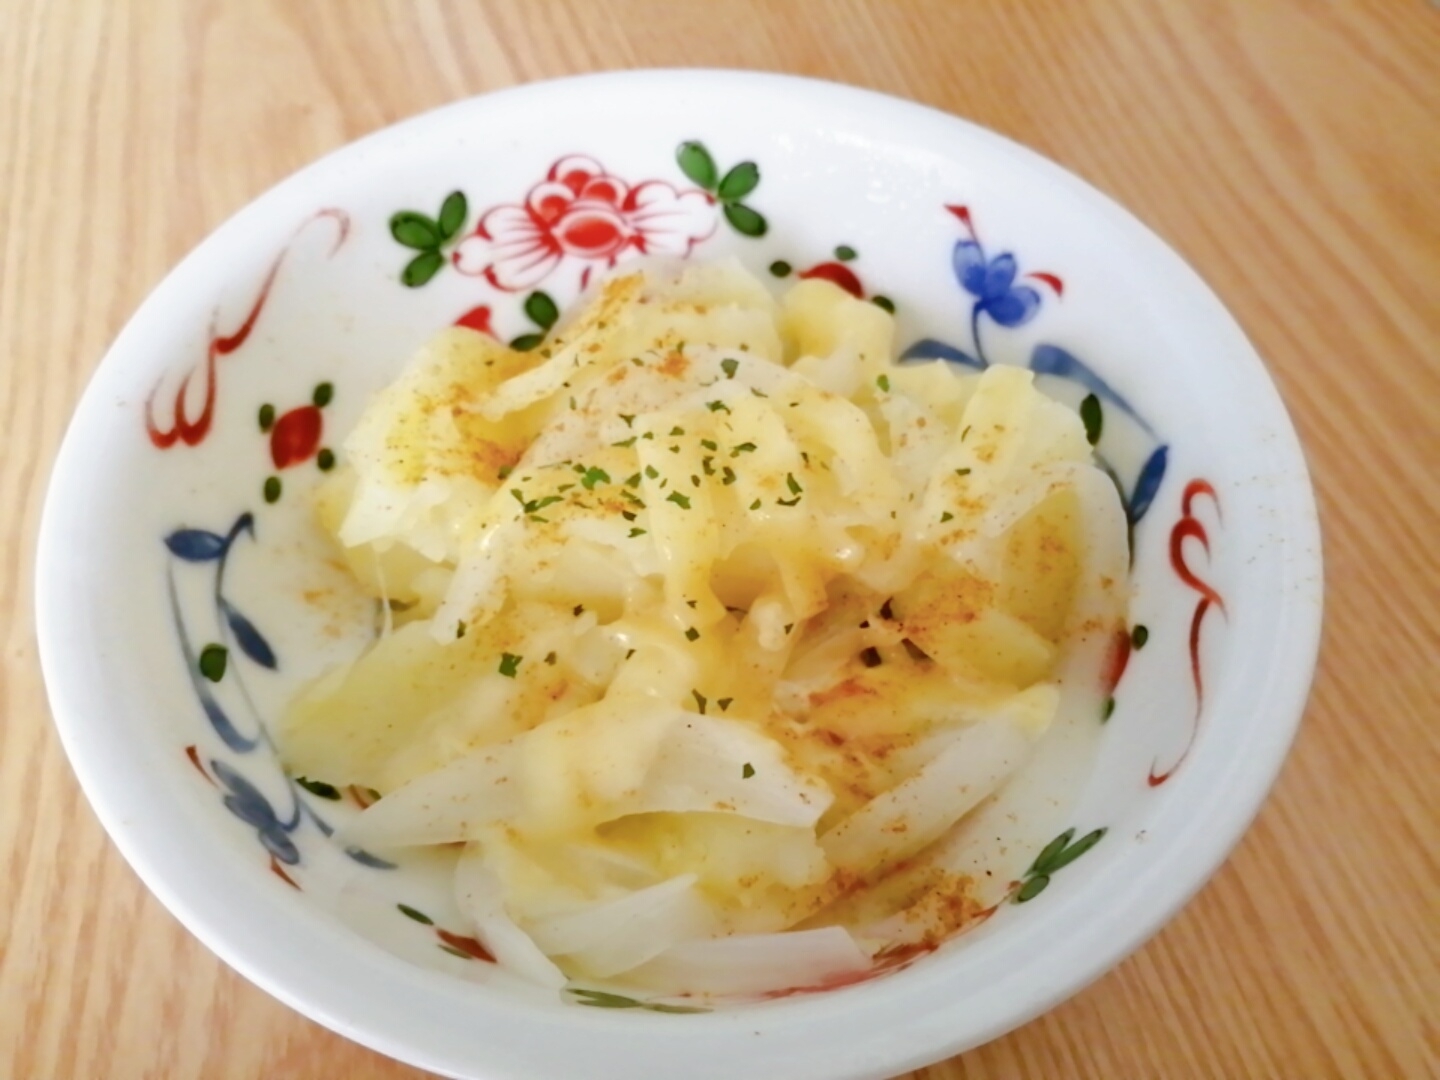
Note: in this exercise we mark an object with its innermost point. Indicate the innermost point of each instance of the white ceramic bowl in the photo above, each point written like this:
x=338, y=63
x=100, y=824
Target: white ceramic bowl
x=161, y=537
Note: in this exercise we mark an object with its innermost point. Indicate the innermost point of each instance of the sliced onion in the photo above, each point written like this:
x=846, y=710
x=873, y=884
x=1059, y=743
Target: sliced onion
x=701, y=766
x=754, y=963
x=440, y=807
x=605, y=867
x=917, y=811
x=597, y=322
x=925, y=440
x=477, y=591
x=613, y=936
x=480, y=895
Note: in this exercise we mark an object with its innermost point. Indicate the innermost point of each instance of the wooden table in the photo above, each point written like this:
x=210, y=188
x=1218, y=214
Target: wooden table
x=1290, y=150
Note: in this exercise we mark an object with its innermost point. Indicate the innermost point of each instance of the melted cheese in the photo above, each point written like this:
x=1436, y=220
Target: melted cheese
x=715, y=585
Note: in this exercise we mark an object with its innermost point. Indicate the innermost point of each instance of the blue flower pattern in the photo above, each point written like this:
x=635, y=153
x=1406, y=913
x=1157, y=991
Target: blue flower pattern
x=991, y=284
x=242, y=797
x=247, y=803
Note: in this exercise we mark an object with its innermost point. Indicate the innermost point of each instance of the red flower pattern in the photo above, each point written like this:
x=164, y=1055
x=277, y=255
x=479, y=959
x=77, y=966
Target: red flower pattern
x=296, y=436
x=584, y=214
x=192, y=430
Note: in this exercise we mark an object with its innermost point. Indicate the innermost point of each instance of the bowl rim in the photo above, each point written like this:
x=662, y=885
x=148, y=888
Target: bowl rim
x=811, y=1038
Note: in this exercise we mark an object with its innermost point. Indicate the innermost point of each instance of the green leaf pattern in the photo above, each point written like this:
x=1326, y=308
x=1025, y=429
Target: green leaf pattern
x=601, y=999
x=1054, y=857
x=213, y=661
x=415, y=230
x=452, y=214
x=428, y=236
x=541, y=310
x=1093, y=417
x=739, y=182
x=744, y=220
x=422, y=268
x=698, y=165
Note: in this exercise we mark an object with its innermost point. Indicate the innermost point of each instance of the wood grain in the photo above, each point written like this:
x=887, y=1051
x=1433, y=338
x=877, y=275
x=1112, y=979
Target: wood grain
x=1290, y=150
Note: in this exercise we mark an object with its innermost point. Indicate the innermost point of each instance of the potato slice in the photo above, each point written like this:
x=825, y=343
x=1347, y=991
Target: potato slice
x=818, y=318
x=1041, y=567
x=952, y=614
x=393, y=572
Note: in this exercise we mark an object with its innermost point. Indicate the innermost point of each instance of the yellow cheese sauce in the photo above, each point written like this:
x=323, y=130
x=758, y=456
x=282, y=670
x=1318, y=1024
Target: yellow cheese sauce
x=707, y=611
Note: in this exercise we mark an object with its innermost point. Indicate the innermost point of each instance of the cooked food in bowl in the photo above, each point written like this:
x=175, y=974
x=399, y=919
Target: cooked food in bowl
x=706, y=629
x=186, y=596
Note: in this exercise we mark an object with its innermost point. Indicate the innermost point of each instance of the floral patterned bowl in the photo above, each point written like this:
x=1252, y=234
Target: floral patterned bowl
x=183, y=592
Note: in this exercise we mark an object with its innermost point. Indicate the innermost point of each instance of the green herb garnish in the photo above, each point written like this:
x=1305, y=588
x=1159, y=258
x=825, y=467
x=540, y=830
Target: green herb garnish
x=213, y=660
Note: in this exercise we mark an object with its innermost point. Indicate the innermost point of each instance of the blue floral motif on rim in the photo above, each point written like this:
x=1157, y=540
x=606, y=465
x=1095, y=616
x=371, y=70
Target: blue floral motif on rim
x=251, y=807
x=242, y=797
x=993, y=285
x=991, y=282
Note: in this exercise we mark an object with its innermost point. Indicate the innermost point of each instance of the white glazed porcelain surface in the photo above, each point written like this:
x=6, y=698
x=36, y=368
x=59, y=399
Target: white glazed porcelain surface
x=1227, y=569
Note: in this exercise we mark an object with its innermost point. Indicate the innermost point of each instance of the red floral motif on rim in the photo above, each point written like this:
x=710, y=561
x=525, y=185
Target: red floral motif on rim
x=296, y=436
x=1189, y=527
x=192, y=431
x=588, y=216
